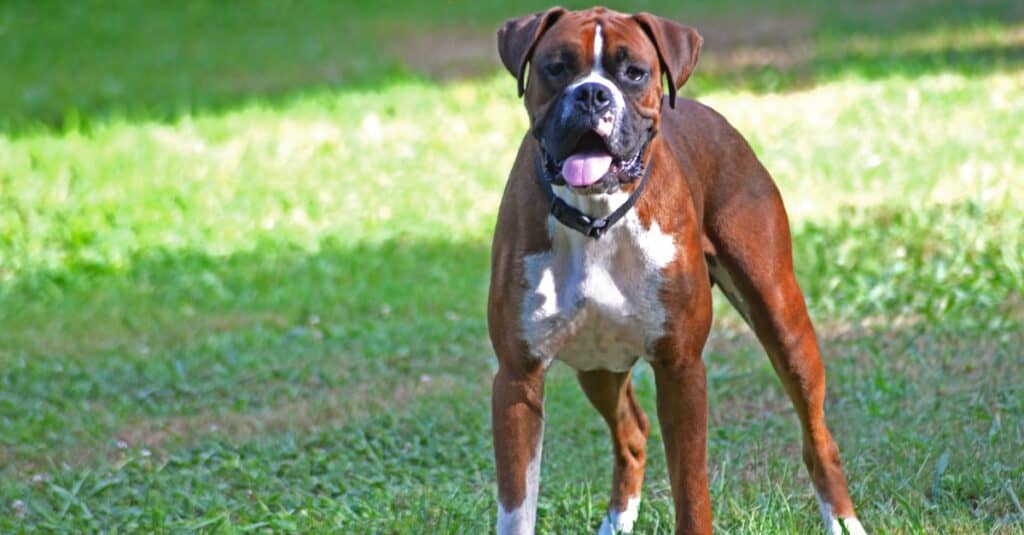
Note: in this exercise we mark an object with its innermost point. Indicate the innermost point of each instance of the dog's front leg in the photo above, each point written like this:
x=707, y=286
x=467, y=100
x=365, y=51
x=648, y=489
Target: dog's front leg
x=683, y=414
x=681, y=384
x=517, y=415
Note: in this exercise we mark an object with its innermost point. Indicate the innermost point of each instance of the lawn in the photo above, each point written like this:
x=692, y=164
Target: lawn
x=244, y=259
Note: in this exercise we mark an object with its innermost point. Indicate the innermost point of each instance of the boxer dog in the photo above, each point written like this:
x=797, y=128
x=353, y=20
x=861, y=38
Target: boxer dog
x=624, y=206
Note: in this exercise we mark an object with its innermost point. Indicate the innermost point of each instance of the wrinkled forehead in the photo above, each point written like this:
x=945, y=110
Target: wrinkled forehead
x=620, y=36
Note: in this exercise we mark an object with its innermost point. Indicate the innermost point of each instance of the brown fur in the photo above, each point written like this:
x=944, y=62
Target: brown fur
x=708, y=190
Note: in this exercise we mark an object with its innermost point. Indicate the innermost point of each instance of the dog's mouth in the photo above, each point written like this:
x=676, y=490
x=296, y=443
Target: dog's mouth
x=591, y=161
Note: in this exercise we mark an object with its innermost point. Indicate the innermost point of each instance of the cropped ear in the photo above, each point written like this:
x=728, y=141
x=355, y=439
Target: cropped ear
x=678, y=48
x=518, y=37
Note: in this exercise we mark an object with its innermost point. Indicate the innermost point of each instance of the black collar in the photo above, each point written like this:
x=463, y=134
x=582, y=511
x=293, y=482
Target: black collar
x=573, y=218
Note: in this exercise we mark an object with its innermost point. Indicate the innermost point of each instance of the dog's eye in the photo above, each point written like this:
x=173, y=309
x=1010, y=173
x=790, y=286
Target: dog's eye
x=635, y=74
x=554, y=69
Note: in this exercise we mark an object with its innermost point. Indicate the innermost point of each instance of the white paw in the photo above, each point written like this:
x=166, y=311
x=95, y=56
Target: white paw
x=620, y=521
x=852, y=525
x=835, y=526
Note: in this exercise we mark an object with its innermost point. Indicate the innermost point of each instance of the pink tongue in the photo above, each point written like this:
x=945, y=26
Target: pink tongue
x=581, y=170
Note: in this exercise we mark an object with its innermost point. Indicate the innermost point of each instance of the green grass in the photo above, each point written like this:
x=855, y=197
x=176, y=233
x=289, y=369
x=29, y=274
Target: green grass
x=243, y=269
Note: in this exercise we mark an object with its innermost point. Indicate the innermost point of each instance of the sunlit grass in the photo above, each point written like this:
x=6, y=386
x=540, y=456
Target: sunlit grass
x=934, y=139
x=410, y=159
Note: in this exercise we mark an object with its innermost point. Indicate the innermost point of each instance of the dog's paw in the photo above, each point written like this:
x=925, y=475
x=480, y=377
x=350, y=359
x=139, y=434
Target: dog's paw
x=845, y=526
x=620, y=521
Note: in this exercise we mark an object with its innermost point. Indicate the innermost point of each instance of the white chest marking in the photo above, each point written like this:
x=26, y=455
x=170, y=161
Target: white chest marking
x=595, y=304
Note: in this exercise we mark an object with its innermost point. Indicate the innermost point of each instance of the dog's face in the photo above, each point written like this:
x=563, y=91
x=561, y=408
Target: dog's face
x=595, y=87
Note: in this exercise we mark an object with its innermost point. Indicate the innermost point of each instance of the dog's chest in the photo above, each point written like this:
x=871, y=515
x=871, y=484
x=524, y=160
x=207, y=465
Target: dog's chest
x=595, y=304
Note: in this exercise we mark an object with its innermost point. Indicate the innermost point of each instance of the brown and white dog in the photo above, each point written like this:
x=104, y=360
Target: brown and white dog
x=623, y=208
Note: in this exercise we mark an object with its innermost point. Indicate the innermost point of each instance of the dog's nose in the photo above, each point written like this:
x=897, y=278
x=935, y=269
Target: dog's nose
x=592, y=97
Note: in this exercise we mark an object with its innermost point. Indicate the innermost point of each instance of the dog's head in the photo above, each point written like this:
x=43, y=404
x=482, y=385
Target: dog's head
x=593, y=86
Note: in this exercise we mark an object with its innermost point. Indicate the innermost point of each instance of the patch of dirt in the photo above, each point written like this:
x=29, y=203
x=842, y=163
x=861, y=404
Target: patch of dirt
x=333, y=407
x=447, y=53
x=734, y=44
x=341, y=405
x=730, y=43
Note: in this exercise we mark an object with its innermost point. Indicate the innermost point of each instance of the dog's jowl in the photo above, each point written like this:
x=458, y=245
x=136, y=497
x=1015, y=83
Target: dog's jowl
x=624, y=207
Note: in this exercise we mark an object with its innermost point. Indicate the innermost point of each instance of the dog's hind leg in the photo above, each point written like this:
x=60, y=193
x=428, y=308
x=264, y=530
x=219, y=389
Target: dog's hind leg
x=753, y=265
x=611, y=393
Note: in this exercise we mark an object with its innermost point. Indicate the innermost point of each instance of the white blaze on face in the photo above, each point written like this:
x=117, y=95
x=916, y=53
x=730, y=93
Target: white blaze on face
x=585, y=168
x=597, y=75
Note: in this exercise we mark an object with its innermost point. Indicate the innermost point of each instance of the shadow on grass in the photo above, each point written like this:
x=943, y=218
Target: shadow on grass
x=264, y=340
x=284, y=337
x=76, y=64
x=166, y=297
x=901, y=397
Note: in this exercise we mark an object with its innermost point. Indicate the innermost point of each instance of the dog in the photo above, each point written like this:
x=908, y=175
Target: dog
x=624, y=206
